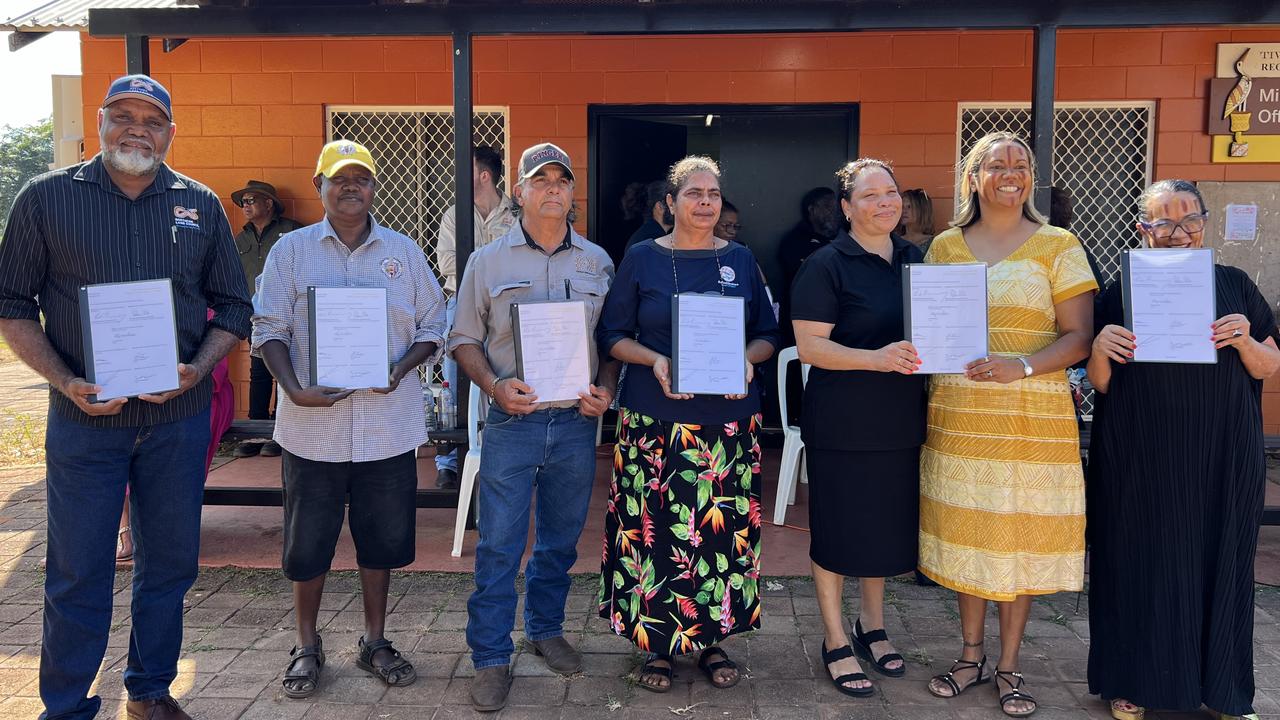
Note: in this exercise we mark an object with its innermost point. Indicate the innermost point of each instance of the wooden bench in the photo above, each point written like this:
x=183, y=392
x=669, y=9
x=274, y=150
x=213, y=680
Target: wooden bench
x=273, y=496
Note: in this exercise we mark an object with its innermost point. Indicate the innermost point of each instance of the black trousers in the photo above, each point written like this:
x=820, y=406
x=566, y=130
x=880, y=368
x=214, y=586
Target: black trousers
x=260, y=382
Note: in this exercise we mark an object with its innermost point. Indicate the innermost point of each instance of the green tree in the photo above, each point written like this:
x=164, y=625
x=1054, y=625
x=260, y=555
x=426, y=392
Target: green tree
x=25, y=151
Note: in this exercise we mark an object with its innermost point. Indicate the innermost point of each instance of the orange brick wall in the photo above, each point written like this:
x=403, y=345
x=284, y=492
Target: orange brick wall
x=255, y=108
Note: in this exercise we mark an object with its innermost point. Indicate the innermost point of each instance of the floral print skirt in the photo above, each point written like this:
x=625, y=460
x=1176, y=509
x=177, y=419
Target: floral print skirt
x=681, y=564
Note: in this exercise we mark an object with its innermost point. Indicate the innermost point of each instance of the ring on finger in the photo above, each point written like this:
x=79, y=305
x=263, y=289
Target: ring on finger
x=1237, y=333
x=988, y=373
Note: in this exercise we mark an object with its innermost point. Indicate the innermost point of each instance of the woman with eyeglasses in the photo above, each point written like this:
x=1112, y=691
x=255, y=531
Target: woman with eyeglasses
x=1175, y=492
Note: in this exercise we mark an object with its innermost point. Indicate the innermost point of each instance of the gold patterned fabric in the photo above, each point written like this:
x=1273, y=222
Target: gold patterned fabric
x=1001, y=488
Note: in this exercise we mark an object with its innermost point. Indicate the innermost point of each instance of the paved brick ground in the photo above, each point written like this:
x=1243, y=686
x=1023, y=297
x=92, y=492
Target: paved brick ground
x=238, y=634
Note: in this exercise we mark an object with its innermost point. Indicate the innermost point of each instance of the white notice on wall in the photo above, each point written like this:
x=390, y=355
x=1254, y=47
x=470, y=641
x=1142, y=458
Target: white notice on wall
x=1242, y=222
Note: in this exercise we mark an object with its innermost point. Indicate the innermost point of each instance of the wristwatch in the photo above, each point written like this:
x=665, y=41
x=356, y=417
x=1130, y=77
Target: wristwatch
x=1026, y=367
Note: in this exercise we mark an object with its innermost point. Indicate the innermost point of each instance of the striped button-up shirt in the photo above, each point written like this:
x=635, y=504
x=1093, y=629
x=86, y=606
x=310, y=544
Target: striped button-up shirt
x=74, y=227
x=365, y=426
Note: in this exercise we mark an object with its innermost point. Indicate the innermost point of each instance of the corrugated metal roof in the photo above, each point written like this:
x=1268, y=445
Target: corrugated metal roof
x=72, y=14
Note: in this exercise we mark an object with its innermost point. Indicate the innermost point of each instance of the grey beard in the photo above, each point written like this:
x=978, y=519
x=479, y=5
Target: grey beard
x=132, y=163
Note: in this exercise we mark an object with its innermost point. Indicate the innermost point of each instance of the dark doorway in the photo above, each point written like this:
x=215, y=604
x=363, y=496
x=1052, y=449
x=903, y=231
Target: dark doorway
x=770, y=155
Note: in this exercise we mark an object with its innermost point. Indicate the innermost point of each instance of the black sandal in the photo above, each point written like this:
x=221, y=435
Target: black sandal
x=862, y=643
x=949, y=677
x=709, y=668
x=667, y=672
x=1015, y=693
x=840, y=653
x=311, y=675
x=400, y=668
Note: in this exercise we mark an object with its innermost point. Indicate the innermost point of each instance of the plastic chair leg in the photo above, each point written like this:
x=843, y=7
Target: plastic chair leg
x=787, y=471
x=466, y=489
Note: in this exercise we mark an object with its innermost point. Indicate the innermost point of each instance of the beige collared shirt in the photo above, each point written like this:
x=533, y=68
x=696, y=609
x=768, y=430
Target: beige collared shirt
x=486, y=229
x=366, y=425
x=511, y=270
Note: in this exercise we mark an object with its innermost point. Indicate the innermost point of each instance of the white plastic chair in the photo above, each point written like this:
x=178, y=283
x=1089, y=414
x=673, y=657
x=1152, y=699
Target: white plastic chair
x=477, y=408
x=792, y=465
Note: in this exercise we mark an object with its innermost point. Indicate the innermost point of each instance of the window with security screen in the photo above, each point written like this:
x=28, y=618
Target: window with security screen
x=413, y=147
x=1102, y=155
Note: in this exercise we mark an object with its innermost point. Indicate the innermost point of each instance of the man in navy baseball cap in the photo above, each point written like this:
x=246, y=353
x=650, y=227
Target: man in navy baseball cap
x=135, y=126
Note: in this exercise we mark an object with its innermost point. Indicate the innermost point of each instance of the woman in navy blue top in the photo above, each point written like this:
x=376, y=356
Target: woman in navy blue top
x=681, y=565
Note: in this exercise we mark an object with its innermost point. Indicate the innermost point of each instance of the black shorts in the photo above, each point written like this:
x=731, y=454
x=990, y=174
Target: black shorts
x=383, y=496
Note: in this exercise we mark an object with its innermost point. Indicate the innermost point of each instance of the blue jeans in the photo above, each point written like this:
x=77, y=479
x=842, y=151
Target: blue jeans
x=449, y=460
x=87, y=470
x=550, y=452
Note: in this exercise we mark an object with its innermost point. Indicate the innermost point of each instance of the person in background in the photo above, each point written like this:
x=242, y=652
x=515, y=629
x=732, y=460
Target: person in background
x=264, y=224
x=917, y=218
x=728, y=226
x=659, y=220
x=494, y=216
x=819, y=223
x=1001, y=487
x=681, y=565
x=1177, y=476
x=863, y=423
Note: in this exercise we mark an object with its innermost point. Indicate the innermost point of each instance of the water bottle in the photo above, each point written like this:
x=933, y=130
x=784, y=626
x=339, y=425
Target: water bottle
x=429, y=404
x=448, y=411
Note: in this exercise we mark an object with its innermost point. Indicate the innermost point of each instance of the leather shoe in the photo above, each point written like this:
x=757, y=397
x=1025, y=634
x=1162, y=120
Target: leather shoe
x=162, y=708
x=270, y=448
x=489, y=688
x=247, y=449
x=447, y=479
x=559, y=655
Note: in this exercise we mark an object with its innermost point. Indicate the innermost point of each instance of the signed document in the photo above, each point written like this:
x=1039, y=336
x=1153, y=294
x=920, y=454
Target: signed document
x=130, y=338
x=944, y=308
x=1169, y=304
x=709, y=344
x=349, y=337
x=553, y=351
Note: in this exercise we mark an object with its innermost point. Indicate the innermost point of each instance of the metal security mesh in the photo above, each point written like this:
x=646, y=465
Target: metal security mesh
x=1102, y=155
x=413, y=148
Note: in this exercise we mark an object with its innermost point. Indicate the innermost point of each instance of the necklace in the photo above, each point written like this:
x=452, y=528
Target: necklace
x=676, y=276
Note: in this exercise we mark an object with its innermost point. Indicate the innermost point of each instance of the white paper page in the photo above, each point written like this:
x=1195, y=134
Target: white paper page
x=1172, y=304
x=712, y=345
x=135, y=344
x=948, y=315
x=554, y=349
x=1242, y=223
x=351, y=338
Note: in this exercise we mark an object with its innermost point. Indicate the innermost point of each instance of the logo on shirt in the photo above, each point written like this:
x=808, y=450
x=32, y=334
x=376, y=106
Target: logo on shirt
x=727, y=275
x=186, y=217
x=584, y=264
x=392, y=268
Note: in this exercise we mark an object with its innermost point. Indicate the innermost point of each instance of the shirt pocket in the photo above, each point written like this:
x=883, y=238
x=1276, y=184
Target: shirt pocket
x=591, y=291
x=501, y=296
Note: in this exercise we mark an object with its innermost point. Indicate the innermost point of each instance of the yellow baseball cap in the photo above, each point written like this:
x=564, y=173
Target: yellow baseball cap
x=341, y=153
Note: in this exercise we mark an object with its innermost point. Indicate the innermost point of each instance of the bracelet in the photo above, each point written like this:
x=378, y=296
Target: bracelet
x=493, y=387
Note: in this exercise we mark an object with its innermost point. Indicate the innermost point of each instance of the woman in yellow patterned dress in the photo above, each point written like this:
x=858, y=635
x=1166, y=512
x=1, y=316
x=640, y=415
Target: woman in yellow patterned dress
x=1001, y=488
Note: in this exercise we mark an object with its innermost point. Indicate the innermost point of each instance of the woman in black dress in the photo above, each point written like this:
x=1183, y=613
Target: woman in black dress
x=1175, y=493
x=864, y=419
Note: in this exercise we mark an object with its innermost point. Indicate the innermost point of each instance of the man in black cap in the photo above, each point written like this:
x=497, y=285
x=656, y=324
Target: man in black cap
x=264, y=224
x=122, y=216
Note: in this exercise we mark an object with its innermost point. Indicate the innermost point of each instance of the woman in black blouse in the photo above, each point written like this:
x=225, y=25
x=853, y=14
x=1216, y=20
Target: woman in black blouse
x=864, y=419
x=681, y=566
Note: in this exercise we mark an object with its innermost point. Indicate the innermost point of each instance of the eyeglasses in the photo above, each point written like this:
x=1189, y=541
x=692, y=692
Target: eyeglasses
x=248, y=200
x=1164, y=229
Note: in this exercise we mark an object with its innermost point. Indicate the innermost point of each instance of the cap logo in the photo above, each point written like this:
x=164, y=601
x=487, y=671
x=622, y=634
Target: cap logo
x=143, y=84
x=347, y=149
x=545, y=153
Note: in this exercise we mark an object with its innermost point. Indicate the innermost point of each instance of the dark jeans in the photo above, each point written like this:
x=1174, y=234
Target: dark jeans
x=548, y=455
x=87, y=470
x=260, y=382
